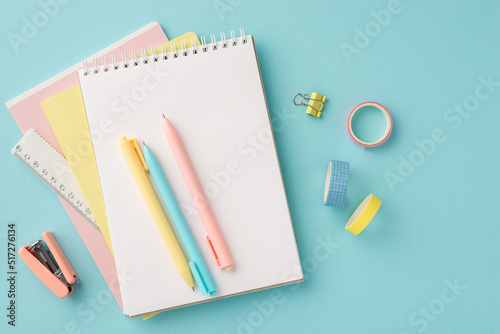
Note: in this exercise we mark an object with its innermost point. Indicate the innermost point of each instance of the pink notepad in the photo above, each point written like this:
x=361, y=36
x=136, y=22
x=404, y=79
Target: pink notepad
x=28, y=114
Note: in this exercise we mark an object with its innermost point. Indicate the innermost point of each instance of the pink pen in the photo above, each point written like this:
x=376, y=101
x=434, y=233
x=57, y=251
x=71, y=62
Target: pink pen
x=215, y=240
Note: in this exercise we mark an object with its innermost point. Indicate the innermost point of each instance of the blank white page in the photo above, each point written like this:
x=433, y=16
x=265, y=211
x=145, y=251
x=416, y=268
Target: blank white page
x=216, y=101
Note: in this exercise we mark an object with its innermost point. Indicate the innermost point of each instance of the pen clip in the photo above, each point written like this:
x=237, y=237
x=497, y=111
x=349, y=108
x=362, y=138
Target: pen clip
x=139, y=154
x=213, y=251
x=198, y=278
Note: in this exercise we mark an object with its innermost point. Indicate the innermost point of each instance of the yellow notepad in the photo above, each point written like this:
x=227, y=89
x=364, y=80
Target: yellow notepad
x=67, y=117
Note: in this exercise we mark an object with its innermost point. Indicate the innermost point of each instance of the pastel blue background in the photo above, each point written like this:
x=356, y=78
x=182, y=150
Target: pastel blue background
x=440, y=224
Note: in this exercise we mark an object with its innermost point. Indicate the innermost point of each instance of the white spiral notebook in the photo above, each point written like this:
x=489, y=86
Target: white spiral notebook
x=214, y=96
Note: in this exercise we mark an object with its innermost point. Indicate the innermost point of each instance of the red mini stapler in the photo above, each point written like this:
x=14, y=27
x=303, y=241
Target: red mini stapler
x=56, y=273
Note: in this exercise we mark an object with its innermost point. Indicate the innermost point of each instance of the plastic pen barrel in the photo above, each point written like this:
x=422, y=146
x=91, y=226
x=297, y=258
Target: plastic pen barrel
x=197, y=264
x=214, y=236
x=137, y=166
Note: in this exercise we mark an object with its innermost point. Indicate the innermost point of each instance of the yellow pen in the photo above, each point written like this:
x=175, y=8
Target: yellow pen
x=138, y=167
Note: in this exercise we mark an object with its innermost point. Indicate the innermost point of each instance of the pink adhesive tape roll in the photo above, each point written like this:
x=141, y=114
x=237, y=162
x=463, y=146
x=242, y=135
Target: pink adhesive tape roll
x=388, y=119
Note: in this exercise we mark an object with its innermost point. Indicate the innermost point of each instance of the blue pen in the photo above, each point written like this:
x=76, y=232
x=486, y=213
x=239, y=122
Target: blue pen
x=197, y=264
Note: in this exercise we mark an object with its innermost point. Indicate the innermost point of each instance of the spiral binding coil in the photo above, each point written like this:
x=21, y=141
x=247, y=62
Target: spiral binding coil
x=135, y=60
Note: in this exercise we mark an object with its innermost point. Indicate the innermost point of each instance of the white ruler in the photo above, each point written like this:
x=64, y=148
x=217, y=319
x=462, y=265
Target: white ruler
x=53, y=169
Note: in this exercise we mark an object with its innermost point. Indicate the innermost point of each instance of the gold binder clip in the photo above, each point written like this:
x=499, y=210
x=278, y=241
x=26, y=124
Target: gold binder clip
x=315, y=104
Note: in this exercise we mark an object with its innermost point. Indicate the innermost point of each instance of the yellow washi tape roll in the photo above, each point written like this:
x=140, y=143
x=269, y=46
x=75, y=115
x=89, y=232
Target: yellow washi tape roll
x=363, y=214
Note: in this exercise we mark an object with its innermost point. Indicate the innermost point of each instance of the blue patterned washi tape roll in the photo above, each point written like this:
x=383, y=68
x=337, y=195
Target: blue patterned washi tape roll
x=337, y=180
